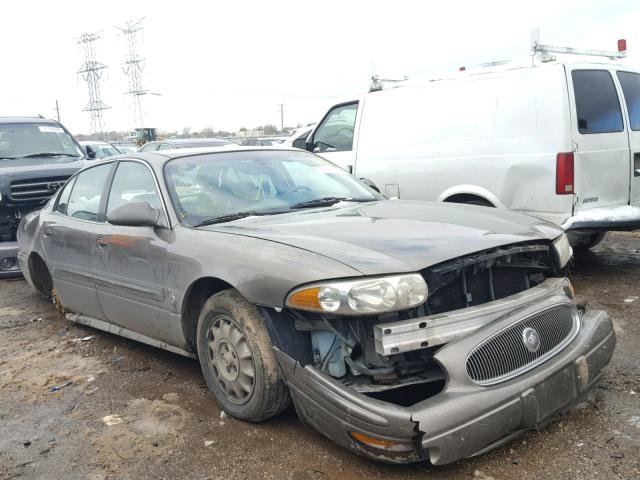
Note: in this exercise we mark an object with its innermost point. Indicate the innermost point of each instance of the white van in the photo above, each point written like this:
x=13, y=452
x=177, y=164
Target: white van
x=560, y=141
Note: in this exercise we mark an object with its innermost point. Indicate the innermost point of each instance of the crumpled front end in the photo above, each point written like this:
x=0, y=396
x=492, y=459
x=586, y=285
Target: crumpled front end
x=492, y=389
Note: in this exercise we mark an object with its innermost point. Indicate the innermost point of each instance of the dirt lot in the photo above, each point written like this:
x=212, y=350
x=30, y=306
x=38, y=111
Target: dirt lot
x=137, y=412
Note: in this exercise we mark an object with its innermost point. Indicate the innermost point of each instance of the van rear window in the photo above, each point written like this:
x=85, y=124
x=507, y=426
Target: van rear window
x=631, y=88
x=597, y=104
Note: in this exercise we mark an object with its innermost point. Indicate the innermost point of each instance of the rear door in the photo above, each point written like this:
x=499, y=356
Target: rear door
x=335, y=138
x=69, y=239
x=601, y=157
x=630, y=84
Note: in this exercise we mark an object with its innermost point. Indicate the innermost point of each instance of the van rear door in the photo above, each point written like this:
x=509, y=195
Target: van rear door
x=601, y=157
x=630, y=84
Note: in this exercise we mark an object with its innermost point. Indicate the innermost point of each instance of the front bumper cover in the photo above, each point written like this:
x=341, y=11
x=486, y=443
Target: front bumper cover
x=9, y=250
x=464, y=419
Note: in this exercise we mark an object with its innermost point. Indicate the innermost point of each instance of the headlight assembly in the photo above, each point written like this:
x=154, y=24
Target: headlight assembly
x=367, y=296
x=563, y=249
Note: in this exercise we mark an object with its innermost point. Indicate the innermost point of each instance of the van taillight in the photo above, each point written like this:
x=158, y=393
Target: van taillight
x=564, y=174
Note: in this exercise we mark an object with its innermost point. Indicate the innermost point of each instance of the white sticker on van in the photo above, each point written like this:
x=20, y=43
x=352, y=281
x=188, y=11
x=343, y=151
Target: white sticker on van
x=50, y=129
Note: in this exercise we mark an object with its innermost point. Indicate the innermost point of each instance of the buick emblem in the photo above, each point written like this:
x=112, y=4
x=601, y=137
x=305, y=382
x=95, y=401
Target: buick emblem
x=531, y=339
x=53, y=186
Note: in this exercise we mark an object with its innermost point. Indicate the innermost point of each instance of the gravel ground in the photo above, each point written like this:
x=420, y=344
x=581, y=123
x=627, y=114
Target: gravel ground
x=163, y=423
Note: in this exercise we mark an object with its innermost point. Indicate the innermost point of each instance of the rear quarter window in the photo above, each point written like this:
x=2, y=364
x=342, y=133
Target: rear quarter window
x=597, y=103
x=630, y=83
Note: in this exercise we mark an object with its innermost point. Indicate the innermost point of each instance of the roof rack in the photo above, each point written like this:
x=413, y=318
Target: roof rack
x=377, y=83
x=545, y=51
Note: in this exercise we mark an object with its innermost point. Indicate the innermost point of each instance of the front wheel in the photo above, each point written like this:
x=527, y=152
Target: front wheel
x=237, y=358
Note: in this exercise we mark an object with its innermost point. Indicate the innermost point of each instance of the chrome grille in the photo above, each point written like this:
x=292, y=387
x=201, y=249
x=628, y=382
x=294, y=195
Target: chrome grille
x=506, y=355
x=35, y=189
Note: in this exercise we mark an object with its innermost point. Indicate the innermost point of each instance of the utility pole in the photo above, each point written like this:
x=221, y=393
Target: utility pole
x=91, y=71
x=57, y=111
x=281, y=117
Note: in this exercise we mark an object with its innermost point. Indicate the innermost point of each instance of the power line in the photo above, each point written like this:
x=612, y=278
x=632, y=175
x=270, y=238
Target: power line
x=91, y=71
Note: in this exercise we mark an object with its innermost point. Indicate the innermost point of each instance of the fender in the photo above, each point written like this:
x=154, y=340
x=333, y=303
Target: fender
x=471, y=190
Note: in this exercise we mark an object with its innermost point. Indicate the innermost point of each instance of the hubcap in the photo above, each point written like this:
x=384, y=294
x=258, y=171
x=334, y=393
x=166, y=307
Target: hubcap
x=230, y=359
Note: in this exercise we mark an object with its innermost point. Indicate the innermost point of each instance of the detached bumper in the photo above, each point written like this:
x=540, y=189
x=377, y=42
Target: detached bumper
x=620, y=218
x=464, y=419
x=9, y=265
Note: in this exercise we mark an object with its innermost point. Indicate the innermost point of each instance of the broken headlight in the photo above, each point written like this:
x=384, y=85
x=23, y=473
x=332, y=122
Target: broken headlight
x=563, y=249
x=361, y=297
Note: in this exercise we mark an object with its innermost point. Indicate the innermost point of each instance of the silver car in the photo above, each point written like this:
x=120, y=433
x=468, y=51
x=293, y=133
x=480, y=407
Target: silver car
x=402, y=330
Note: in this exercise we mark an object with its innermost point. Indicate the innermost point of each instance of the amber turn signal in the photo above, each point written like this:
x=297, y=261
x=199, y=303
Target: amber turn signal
x=307, y=299
x=374, y=442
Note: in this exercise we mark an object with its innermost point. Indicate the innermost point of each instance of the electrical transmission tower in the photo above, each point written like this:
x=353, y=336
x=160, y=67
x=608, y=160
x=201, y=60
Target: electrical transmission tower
x=91, y=71
x=133, y=67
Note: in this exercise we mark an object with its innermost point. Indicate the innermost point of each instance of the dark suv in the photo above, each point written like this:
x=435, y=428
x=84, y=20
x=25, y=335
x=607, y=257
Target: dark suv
x=37, y=156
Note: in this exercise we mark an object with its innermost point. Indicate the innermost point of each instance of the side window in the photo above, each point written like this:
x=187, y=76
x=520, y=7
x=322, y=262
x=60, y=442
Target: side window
x=597, y=104
x=164, y=146
x=335, y=133
x=133, y=182
x=631, y=88
x=84, y=201
x=63, y=199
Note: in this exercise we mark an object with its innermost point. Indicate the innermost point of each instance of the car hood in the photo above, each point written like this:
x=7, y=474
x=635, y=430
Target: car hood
x=28, y=168
x=394, y=236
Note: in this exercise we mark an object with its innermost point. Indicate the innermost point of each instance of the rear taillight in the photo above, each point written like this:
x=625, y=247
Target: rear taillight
x=564, y=173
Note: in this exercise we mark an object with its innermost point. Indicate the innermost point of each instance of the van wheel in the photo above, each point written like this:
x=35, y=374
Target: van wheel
x=469, y=200
x=593, y=240
x=478, y=201
x=237, y=358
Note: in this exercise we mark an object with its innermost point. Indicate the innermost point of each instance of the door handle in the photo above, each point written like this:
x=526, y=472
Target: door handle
x=102, y=243
x=636, y=172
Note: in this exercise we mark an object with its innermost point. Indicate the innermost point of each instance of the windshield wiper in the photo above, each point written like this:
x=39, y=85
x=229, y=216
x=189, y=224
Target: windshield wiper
x=235, y=216
x=328, y=201
x=48, y=154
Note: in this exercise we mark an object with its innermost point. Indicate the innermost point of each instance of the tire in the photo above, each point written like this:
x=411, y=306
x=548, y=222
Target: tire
x=237, y=358
x=593, y=240
x=478, y=201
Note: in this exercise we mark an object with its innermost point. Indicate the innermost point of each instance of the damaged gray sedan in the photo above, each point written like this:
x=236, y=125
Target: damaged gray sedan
x=404, y=331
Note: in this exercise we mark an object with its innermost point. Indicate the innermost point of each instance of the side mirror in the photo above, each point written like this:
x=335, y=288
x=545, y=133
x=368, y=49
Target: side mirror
x=92, y=153
x=370, y=184
x=135, y=214
x=309, y=143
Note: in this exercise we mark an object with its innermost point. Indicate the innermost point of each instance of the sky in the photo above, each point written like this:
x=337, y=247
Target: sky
x=227, y=65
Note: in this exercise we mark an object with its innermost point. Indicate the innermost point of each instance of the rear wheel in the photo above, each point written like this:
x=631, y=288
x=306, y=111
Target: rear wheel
x=40, y=276
x=590, y=241
x=237, y=358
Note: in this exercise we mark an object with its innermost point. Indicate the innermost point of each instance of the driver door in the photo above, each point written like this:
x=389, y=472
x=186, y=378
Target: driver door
x=131, y=267
x=334, y=139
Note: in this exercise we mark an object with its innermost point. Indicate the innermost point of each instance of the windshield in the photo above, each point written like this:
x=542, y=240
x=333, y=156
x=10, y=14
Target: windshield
x=104, y=151
x=205, y=187
x=20, y=140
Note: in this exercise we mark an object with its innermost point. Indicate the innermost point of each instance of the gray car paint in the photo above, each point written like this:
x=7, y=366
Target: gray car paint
x=143, y=279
